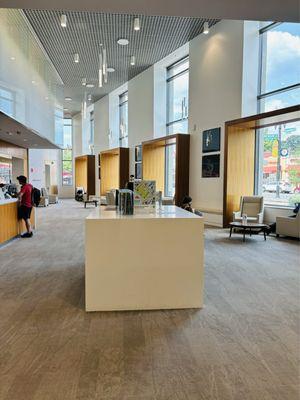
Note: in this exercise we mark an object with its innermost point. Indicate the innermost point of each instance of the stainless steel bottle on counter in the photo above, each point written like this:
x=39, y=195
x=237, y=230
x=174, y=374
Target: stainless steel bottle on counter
x=126, y=202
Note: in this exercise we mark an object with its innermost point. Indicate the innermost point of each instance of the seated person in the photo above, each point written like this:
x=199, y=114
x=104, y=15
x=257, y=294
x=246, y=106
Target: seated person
x=187, y=204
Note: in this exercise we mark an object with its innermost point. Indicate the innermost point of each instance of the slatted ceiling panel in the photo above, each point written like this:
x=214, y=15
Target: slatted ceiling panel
x=158, y=37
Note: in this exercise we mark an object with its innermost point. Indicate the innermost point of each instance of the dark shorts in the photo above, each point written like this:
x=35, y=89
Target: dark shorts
x=24, y=212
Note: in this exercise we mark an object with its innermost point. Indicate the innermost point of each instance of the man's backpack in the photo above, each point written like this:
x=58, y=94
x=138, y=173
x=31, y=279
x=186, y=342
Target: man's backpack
x=35, y=196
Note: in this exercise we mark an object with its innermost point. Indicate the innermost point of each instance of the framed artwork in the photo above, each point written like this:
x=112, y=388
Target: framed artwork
x=211, y=166
x=138, y=153
x=138, y=170
x=144, y=192
x=211, y=140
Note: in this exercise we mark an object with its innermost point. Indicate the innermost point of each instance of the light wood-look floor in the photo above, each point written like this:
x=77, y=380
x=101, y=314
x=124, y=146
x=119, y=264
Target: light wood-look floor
x=243, y=345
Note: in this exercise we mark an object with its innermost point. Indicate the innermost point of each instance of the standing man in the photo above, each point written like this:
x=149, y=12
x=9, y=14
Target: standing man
x=25, y=197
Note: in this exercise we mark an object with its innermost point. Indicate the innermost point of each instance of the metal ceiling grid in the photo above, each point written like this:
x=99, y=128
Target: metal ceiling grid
x=85, y=31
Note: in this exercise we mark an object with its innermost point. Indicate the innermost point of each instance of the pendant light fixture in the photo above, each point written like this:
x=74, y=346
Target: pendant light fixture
x=136, y=24
x=100, y=70
x=63, y=20
x=132, y=60
x=83, y=81
x=103, y=69
x=76, y=58
x=84, y=106
x=206, y=28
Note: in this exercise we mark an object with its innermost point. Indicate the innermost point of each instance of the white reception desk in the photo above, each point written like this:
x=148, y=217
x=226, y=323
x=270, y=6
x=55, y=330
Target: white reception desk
x=144, y=261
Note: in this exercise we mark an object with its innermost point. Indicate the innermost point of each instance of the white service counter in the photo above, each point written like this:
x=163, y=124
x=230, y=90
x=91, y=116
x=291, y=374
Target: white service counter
x=144, y=261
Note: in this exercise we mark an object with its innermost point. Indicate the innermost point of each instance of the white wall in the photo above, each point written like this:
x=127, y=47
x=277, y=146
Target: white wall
x=37, y=160
x=140, y=111
x=215, y=96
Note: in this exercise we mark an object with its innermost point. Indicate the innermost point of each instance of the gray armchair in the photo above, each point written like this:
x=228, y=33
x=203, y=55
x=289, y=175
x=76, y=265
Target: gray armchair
x=253, y=207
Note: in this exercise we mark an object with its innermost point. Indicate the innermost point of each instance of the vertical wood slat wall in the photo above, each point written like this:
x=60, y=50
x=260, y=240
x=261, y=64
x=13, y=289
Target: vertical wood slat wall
x=154, y=163
x=114, y=167
x=85, y=173
x=240, y=167
x=10, y=225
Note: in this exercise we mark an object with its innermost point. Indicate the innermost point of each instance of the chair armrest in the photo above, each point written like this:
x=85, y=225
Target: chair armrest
x=260, y=217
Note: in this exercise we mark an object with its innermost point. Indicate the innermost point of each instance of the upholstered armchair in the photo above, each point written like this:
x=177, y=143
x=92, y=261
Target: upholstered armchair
x=52, y=198
x=253, y=207
x=288, y=226
x=44, y=201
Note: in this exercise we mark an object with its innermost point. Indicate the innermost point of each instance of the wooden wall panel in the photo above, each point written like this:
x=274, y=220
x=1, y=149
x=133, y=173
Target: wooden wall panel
x=10, y=225
x=240, y=168
x=81, y=172
x=154, y=164
x=109, y=172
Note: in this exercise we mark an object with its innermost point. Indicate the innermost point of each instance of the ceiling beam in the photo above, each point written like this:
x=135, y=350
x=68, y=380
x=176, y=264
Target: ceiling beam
x=257, y=10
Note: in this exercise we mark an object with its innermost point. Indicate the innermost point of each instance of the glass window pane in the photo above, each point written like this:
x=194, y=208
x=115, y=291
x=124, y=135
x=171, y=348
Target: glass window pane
x=281, y=164
x=178, y=127
x=123, y=119
x=177, y=68
x=178, y=89
x=281, y=57
x=170, y=170
x=67, y=155
x=280, y=100
x=67, y=173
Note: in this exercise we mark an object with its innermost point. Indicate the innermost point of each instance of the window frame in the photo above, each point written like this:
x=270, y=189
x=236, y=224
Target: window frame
x=63, y=159
x=168, y=80
x=259, y=134
x=123, y=103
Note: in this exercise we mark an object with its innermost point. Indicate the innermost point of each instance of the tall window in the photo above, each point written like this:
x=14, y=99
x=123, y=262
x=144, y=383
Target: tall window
x=177, y=97
x=67, y=154
x=123, y=119
x=279, y=161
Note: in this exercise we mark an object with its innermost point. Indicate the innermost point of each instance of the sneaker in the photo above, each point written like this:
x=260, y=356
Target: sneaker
x=27, y=235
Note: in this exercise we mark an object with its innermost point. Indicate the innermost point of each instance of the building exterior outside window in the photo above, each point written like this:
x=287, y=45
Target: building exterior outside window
x=67, y=154
x=7, y=102
x=123, y=119
x=278, y=177
x=177, y=97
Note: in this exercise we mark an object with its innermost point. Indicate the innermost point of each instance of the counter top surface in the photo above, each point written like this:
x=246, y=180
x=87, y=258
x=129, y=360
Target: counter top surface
x=172, y=212
x=7, y=201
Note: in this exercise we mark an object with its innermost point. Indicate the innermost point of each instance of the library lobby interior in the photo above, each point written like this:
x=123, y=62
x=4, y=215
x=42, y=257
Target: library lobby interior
x=149, y=200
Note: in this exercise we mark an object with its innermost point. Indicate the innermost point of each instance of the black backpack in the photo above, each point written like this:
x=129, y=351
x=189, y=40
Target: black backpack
x=35, y=196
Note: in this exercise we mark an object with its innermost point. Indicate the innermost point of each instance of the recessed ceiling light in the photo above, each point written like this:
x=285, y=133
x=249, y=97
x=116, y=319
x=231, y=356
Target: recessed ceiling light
x=90, y=85
x=46, y=98
x=205, y=28
x=110, y=69
x=63, y=20
x=66, y=109
x=25, y=140
x=33, y=82
x=123, y=42
x=68, y=98
x=12, y=58
x=9, y=133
